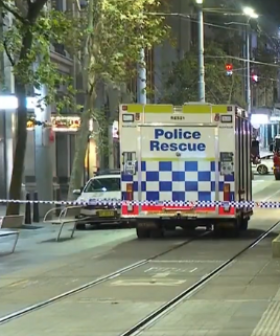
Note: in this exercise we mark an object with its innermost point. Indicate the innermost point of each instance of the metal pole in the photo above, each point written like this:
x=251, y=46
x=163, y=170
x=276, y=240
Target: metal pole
x=141, y=79
x=201, y=70
x=248, y=70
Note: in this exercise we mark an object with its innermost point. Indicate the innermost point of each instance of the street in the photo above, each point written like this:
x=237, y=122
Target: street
x=41, y=270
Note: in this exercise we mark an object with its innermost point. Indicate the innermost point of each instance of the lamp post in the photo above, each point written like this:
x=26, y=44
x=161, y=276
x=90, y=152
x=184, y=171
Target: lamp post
x=141, y=73
x=141, y=79
x=250, y=13
x=201, y=69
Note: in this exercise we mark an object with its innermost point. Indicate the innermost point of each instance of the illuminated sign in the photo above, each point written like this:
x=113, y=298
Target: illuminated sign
x=181, y=141
x=58, y=124
x=62, y=124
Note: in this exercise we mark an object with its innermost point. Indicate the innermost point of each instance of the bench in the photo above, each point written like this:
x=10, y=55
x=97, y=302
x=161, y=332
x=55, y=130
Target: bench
x=7, y=226
x=68, y=215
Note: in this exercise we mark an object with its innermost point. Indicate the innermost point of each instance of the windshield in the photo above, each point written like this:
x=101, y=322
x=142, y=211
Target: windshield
x=103, y=184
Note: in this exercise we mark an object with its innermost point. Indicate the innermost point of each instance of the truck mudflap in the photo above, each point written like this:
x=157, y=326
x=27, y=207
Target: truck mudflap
x=185, y=211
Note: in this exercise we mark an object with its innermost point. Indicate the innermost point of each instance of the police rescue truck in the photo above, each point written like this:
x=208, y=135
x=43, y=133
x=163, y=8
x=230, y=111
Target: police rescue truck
x=183, y=166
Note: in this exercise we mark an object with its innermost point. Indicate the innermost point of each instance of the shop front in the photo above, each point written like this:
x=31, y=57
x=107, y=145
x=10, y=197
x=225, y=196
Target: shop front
x=63, y=141
x=266, y=126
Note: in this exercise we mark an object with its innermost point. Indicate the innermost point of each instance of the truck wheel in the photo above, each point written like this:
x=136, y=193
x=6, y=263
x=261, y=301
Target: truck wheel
x=142, y=233
x=231, y=230
x=244, y=224
x=218, y=232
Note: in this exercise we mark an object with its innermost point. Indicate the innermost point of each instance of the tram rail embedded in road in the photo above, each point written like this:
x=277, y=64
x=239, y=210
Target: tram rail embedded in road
x=149, y=320
x=17, y=314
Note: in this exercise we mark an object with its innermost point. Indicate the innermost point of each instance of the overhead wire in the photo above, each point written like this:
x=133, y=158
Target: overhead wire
x=209, y=24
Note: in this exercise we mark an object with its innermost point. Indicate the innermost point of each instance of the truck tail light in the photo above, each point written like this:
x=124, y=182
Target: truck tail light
x=226, y=196
x=129, y=195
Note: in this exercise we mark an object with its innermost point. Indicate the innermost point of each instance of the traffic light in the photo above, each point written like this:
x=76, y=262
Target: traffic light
x=229, y=69
x=255, y=78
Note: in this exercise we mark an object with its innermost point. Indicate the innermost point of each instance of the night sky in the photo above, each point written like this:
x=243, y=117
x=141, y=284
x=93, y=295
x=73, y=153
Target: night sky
x=266, y=7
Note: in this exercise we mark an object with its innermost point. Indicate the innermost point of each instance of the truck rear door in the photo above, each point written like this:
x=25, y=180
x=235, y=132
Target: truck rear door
x=179, y=164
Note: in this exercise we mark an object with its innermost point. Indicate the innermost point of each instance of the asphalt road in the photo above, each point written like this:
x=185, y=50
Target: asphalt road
x=117, y=304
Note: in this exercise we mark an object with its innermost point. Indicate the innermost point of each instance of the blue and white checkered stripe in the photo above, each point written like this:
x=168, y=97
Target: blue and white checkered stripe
x=114, y=202
x=178, y=181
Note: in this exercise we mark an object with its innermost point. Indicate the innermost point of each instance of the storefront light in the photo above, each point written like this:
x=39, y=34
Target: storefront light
x=11, y=103
x=274, y=119
x=259, y=119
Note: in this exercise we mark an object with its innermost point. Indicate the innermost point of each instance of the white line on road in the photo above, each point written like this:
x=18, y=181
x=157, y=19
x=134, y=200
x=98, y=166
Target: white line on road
x=161, y=275
x=147, y=282
x=186, y=261
x=193, y=270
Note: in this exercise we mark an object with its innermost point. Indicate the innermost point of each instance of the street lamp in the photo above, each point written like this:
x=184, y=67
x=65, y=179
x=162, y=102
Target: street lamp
x=201, y=69
x=141, y=78
x=250, y=13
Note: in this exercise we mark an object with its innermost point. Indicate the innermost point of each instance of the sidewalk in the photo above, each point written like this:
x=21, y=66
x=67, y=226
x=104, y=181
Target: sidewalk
x=37, y=248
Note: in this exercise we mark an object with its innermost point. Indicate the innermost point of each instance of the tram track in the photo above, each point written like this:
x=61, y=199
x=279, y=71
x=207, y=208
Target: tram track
x=147, y=319
x=99, y=281
x=153, y=317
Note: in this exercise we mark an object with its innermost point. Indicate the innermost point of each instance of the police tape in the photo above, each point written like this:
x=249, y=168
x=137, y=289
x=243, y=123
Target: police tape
x=118, y=203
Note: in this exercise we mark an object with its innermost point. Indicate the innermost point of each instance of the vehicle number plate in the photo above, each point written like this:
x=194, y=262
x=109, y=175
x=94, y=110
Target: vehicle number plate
x=147, y=225
x=106, y=213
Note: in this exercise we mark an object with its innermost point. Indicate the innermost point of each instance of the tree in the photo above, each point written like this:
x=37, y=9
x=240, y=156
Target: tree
x=111, y=32
x=181, y=81
x=28, y=27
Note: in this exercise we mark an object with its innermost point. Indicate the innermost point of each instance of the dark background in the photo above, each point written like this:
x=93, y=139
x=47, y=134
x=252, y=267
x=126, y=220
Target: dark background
x=266, y=7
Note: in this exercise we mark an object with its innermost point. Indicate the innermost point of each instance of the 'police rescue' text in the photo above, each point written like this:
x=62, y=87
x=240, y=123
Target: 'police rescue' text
x=190, y=144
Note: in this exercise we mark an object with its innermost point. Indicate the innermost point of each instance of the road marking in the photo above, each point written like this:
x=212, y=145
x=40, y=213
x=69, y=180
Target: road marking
x=166, y=270
x=161, y=275
x=186, y=261
x=193, y=270
x=147, y=282
x=23, y=283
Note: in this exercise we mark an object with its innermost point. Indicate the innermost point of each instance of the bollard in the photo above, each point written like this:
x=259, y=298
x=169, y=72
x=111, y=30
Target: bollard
x=27, y=219
x=36, y=216
x=57, y=198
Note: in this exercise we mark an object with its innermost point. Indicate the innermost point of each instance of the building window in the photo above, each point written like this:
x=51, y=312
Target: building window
x=59, y=48
x=61, y=5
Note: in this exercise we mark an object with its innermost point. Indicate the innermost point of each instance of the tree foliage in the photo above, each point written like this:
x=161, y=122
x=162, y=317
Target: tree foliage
x=181, y=81
x=28, y=28
x=111, y=34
